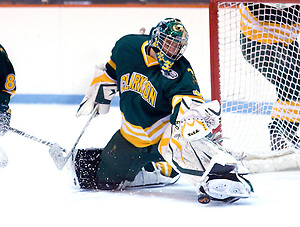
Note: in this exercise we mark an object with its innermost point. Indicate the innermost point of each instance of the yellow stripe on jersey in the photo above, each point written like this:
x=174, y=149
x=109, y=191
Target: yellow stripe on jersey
x=11, y=93
x=102, y=78
x=112, y=64
x=143, y=137
x=288, y=111
x=266, y=32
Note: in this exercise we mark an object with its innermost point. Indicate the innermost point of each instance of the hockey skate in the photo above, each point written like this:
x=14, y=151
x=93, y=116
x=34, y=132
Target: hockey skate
x=154, y=175
x=225, y=183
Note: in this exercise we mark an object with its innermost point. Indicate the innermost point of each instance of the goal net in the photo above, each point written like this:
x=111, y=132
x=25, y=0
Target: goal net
x=255, y=73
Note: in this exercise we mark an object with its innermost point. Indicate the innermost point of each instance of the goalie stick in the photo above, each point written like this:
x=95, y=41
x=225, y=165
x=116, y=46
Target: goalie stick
x=21, y=133
x=56, y=152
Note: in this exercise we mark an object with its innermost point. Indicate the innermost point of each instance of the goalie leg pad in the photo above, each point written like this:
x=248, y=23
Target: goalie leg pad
x=85, y=163
x=202, y=161
x=86, y=166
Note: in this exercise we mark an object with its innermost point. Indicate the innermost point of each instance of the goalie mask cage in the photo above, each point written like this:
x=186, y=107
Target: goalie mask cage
x=255, y=71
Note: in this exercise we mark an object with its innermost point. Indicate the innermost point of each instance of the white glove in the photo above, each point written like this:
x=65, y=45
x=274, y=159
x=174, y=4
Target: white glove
x=200, y=120
x=99, y=95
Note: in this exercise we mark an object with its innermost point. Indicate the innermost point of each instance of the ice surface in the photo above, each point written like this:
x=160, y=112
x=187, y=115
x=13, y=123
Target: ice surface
x=33, y=192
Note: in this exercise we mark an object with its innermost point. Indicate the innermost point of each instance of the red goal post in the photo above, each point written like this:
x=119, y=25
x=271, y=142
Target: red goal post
x=243, y=80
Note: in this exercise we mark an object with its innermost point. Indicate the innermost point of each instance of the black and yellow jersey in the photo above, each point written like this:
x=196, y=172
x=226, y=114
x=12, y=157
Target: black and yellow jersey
x=147, y=97
x=7, y=78
x=267, y=24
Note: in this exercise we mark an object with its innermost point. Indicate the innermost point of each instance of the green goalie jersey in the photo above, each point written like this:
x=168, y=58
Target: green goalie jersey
x=148, y=99
x=7, y=78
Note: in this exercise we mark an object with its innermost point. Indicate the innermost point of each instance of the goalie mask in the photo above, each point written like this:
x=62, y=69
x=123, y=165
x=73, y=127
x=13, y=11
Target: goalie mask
x=169, y=40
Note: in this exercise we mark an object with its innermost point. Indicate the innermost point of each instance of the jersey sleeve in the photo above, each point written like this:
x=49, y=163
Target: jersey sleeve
x=7, y=78
x=187, y=87
x=111, y=69
x=117, y=58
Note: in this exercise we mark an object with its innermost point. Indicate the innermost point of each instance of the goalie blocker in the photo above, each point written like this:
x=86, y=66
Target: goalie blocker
x=100, y=93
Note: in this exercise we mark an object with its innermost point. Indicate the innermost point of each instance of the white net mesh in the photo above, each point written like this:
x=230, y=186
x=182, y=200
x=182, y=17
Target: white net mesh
x=259, y=66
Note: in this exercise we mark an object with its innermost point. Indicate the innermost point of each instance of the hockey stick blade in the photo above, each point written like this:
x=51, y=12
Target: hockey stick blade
x=57, y=154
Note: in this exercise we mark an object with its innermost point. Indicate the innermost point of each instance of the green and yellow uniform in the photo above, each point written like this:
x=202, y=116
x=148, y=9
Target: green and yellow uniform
x=148, y=102
x=7, y=78
x=147, y=98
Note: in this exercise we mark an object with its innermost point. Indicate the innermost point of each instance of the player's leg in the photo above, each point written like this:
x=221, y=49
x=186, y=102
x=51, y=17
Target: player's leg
x=121, y=161
x=280, y=64
x=277, y=141
x=263, y=57
x=83, y=165
x=283, y=134
x=119, y=165
x=285, y=113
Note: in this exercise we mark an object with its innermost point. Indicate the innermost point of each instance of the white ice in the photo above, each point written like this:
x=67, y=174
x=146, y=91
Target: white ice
x=33, y=192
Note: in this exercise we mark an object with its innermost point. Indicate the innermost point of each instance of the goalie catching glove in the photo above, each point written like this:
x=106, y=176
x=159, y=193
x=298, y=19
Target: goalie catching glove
x=214, y=172
x=198, y=119
x=101, y=92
